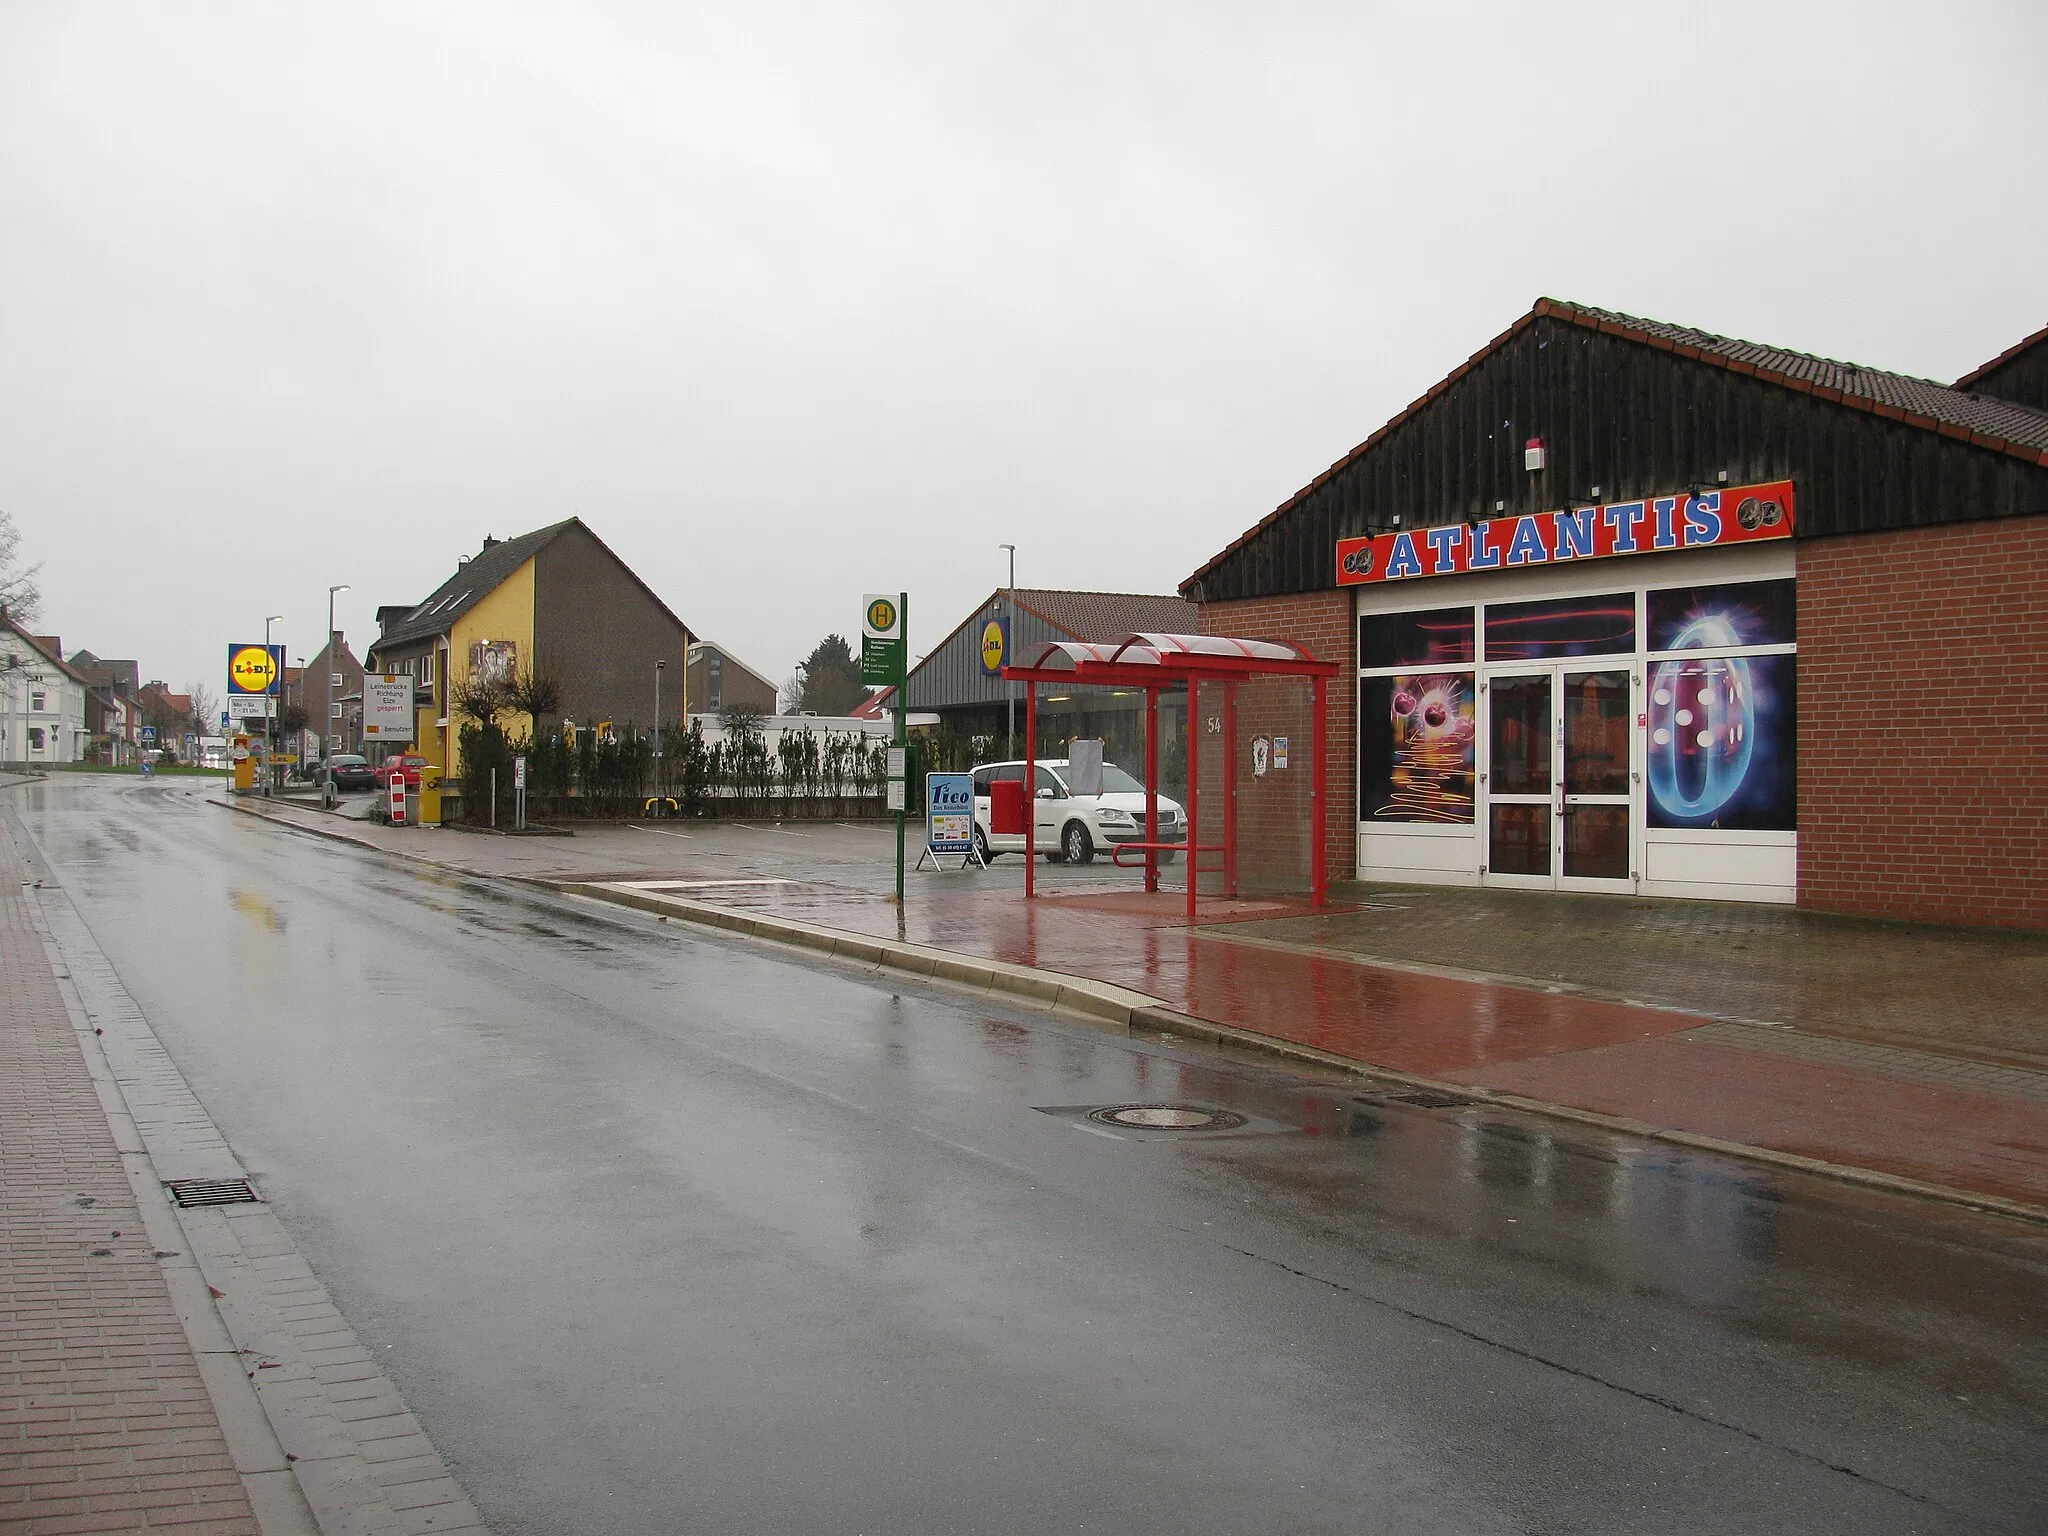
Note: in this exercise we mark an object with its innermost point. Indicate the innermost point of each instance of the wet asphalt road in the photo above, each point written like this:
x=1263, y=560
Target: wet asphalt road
x=657, y=1233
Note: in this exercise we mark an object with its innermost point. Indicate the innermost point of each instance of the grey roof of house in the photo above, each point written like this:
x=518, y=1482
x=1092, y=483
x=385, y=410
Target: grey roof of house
x=473, y=580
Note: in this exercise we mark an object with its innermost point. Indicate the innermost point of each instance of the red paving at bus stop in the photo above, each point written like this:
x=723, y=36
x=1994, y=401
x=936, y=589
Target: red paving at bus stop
x=1641, y=1063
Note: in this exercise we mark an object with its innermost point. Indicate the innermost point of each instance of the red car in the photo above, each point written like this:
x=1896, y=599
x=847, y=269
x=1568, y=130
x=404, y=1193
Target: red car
x=409, y=765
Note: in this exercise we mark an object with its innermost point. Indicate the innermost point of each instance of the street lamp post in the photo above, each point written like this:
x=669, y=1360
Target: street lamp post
x=270, y=720
x=1010, y=616
x=660, y=664
x=327, y=705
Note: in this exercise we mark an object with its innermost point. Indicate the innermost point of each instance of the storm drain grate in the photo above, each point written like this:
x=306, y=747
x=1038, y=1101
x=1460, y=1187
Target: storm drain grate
x=1166, y=1117
x=196, y=1192
x=1420, y=1099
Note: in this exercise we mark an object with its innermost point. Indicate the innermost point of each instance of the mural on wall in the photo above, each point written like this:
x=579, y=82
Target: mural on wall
x=1419, y=738
x=1721, y=738
x=494, y=663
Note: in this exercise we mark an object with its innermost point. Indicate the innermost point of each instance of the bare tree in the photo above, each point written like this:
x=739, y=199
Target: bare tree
x=20, y=598
x=479, y=697
x=205, y=708
x=532, y=691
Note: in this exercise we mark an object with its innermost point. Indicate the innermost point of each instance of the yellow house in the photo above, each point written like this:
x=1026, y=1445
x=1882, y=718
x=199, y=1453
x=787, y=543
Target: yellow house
x=555, y=602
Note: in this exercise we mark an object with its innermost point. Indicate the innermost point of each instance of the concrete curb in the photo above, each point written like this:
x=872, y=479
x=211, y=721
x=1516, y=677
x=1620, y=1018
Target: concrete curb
x=1140, y=1013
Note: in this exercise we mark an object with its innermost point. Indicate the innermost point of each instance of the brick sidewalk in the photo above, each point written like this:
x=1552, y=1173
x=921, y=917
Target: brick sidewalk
x=105, y=1423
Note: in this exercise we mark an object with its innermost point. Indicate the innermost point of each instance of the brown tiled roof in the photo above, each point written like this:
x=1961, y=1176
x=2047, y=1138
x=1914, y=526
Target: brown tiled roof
x=1953, y=406
x=1999, y=425
x=1110, y=615
x=1969, y=380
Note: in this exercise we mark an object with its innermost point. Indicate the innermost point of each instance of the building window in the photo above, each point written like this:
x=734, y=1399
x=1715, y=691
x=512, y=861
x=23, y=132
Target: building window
x=37, y=701
x=1721, y=712
x=1417, y=716
x=1575, y=626
x=35, y=738
x=334, y=710
x=427, y=669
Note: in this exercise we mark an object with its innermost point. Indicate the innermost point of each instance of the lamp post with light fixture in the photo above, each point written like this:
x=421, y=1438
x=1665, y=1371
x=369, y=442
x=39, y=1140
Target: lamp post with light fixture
x=660, y=666
x=327, y=707
x=270, y=720
x=1010, y=639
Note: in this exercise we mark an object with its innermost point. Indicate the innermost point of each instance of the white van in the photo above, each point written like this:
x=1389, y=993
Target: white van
x=1071, y=827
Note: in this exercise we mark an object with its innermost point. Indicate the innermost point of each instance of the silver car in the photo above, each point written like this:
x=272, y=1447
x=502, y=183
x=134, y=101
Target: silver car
x=1071, y=827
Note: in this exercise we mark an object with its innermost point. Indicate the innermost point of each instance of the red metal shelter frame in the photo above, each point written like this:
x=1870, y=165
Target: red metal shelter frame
x=1156, y=663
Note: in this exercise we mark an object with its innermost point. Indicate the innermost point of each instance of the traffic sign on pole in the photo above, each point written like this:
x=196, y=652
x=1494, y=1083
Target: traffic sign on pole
x=885, y=663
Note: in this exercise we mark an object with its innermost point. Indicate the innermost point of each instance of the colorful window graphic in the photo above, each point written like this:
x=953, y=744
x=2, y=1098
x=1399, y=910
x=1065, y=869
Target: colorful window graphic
x=1721, y=744
x=1574, y=626
x=1740, y=613
x=1417, y=738
x=1438, y=637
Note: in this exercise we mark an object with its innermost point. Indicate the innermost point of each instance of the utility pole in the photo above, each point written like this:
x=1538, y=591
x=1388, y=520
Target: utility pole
x=1010, y=618
x=327, y=706
x=660, y=663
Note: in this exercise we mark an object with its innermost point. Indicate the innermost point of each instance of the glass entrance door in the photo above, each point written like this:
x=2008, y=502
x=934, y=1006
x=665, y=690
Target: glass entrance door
x=1595, y=776
x=1558, y=781
x=1520, y=777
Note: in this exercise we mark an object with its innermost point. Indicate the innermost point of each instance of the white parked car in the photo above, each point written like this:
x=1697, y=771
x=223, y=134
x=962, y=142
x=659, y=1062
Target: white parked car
x=1070, y=828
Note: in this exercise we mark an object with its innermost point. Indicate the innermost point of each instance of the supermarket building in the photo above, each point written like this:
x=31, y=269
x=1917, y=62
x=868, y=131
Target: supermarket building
x=1634, y=608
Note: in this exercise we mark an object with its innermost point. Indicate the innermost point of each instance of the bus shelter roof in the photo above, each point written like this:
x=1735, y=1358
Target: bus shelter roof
x=1160, y=661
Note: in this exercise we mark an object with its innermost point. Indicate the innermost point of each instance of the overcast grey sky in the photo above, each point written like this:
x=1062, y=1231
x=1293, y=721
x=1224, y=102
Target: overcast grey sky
x=792, y=303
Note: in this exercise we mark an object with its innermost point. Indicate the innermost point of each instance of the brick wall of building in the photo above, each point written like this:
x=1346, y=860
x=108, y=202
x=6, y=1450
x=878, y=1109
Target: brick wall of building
x=1923, y=724
x=1271, y=818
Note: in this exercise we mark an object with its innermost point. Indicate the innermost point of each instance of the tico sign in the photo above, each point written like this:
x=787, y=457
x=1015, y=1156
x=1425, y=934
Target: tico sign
x=1709, y=519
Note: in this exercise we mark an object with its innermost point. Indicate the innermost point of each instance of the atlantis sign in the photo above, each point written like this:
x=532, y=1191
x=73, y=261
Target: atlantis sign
x=1702, y=520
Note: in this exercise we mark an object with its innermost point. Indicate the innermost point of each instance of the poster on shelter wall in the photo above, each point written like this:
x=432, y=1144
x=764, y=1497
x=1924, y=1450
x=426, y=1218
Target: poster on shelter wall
x=1418, y=742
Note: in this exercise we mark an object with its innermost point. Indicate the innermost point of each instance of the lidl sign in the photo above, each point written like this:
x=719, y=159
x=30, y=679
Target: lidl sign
x=1690, y=520
x=995, y=646
x=255, y=668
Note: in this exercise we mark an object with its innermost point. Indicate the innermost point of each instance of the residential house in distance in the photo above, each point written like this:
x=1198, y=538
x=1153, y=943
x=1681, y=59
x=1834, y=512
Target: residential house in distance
x=331, y=683
x=42, y=700
x=555, y=602
x=720, y=681
x=111, y=714
x=168, y=716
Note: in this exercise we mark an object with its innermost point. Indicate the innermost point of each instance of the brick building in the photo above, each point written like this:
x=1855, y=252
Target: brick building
x=1634, y=608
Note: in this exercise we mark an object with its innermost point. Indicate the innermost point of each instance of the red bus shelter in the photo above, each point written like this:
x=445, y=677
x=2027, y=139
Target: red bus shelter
x=1155, y=663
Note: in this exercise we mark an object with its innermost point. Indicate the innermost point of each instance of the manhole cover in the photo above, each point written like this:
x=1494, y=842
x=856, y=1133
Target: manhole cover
x=1167, y=1117
x=196, y=1192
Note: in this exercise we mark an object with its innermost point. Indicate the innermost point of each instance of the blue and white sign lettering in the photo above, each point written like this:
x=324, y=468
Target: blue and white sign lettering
x=949, y=812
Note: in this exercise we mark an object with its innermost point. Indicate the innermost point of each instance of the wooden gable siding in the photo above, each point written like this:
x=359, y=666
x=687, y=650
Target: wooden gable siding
x=1634, y=420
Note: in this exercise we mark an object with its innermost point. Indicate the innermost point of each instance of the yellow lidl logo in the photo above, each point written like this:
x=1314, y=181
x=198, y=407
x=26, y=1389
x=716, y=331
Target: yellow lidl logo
x=251, y=669
x=992, y=646
x=881, y=616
